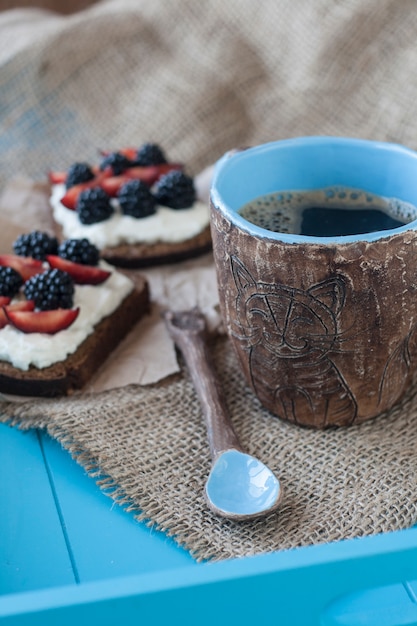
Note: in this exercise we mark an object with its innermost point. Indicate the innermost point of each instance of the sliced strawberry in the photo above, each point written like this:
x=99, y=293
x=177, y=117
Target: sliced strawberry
x=3, y=318
x=148, y=175
x=112, y=184
x=69, y=199
x=22, y=305
x=49, y=322
x=57, y=178
x=25, y=265
x=81, y=274
x=151, y=173
x=4, y=300
x=60, y=177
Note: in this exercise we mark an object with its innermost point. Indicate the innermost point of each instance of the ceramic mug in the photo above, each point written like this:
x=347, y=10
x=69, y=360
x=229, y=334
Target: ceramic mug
x=325, y=323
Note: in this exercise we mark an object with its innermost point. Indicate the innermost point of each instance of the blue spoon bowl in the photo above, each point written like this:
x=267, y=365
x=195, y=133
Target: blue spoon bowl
x=239, y=485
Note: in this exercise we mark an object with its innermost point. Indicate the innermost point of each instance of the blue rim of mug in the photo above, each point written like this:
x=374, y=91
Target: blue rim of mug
x=232, y=158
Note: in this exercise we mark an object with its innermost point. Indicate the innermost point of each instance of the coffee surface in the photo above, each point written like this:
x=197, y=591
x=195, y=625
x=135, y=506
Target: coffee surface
x=327, y=212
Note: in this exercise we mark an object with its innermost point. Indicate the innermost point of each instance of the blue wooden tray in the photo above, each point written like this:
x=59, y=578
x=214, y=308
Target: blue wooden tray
x=69, y=555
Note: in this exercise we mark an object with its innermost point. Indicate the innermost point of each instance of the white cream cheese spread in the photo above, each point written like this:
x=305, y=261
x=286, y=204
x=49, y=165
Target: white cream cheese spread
x=41, y=350
x=166, y=225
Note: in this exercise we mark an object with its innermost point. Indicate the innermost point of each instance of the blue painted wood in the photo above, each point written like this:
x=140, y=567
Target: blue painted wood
x=33, y=552
x=292, y=588
x=105, y=541
x=391, y=605
x=41, y=487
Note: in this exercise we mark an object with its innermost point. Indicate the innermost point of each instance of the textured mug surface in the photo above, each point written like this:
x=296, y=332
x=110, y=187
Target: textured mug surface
x=325, y=328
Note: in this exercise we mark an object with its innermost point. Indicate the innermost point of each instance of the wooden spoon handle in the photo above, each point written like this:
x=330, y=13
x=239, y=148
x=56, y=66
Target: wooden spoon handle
x=188, y=330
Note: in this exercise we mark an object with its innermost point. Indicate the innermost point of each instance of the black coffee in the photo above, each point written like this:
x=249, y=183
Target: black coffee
x=329, y=212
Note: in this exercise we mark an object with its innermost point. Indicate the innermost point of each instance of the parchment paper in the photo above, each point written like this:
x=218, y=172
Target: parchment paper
x=147, y=355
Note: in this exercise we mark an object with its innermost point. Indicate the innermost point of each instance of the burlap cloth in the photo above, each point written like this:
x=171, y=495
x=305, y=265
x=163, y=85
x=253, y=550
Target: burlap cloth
x=147, y=448
x=201, y=78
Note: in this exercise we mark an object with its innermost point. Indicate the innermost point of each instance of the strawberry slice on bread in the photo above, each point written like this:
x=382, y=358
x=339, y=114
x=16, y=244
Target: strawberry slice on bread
x=43, y=355
x=81, y=274
x=49, y=322
x=111, y=184
x=25, y=266
x=23, y=305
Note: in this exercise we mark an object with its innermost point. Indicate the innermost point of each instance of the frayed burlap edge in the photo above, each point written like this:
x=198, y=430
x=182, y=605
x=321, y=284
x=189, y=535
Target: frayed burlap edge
x=146, y=447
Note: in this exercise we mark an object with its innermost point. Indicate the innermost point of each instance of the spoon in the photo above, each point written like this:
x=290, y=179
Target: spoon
x=239, y=486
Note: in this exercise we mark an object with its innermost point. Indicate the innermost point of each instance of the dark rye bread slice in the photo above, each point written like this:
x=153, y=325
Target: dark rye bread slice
x=137, y=255
x=73, y=373
x=158, y=253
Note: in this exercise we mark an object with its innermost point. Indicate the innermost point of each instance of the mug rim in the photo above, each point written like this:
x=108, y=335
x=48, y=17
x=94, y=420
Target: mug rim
x=239, y=221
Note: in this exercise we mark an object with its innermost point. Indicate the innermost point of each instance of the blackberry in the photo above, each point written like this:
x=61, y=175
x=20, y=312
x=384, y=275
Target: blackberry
x=94, y=205
x=136, y=199
x=175, y=190
x=35, y=244
x=117, y=161
x=10, y=282
x=53, y=289
x=150, y=154
x=79, y=251
x=78, y=173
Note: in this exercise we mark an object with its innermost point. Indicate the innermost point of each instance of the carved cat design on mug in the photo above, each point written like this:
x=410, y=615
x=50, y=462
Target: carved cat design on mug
x=293, y=332
x=399, y=367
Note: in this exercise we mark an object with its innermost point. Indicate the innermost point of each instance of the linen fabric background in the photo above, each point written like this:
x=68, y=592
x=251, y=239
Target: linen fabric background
x=200, y=79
